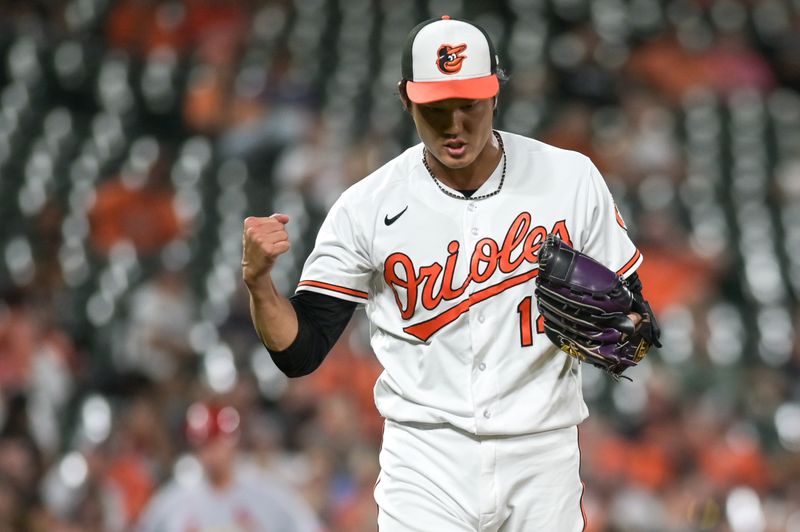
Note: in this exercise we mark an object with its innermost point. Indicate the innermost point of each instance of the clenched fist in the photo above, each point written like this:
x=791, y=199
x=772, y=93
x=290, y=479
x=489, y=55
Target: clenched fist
x=263, y=240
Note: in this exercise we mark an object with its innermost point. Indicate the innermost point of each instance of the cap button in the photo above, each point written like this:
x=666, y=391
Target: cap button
x=445, y=17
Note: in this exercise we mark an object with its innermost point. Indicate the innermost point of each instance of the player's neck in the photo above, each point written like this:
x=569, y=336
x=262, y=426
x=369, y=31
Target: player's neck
x=470, y=177
x=220, y=480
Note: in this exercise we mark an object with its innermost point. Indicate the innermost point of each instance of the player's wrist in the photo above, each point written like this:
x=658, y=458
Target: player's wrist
x=260, y=285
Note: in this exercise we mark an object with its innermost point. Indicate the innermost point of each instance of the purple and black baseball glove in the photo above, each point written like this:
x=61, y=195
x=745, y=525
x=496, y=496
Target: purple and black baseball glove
x=585, y=307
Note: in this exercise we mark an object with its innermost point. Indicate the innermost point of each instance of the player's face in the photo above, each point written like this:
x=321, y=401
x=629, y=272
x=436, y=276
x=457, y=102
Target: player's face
x=218, y=455
x=454, y=131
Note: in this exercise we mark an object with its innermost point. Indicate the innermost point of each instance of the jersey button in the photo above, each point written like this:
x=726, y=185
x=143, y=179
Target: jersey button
x=487, y=414
x=474, y=231
x=481, y=318
x=472, y=206
x=481, y=366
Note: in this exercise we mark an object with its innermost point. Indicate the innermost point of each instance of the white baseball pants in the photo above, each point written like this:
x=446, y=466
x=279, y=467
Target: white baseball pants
x=435, y=478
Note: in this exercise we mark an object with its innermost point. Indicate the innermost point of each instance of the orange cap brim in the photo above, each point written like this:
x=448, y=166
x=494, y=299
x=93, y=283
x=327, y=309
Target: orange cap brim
x=469, y=89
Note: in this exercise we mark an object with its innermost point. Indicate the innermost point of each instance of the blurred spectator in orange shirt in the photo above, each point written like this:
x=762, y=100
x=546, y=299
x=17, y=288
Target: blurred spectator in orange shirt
x=137, y=208
x=141, y=26
x=669, y=67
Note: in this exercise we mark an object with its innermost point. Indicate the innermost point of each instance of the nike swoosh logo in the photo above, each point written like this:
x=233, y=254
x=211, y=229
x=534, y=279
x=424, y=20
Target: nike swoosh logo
x=393, y=219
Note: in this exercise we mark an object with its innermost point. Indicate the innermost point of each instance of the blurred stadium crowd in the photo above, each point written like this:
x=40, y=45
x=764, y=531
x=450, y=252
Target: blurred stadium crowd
x=136, y=135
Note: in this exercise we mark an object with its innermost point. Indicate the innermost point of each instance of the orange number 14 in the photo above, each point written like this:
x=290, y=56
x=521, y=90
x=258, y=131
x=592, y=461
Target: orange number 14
x=525, y=322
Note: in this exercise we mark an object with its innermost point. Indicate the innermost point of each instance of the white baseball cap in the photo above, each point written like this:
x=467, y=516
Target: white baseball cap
x=447, y=58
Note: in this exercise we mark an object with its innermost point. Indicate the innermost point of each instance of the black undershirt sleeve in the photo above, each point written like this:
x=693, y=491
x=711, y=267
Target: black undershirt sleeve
x=321, y=320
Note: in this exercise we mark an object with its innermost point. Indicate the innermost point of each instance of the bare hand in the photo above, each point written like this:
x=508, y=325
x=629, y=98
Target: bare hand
x=263, y=240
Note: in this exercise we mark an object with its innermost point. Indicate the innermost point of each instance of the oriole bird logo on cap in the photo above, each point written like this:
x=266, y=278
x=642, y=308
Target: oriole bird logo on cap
x=449, y=58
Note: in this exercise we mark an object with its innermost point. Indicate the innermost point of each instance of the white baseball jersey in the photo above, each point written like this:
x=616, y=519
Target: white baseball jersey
x=448, y=285
x=252, y=503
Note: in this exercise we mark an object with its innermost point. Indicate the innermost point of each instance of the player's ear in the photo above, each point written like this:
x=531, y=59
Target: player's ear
x=401, y=89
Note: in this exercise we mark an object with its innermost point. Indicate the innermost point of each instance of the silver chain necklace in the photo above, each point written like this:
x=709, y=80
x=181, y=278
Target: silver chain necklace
x=472, y=198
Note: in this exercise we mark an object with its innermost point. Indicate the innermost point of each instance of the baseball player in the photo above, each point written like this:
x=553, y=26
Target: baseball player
x=440, y=247
x=231, y=495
